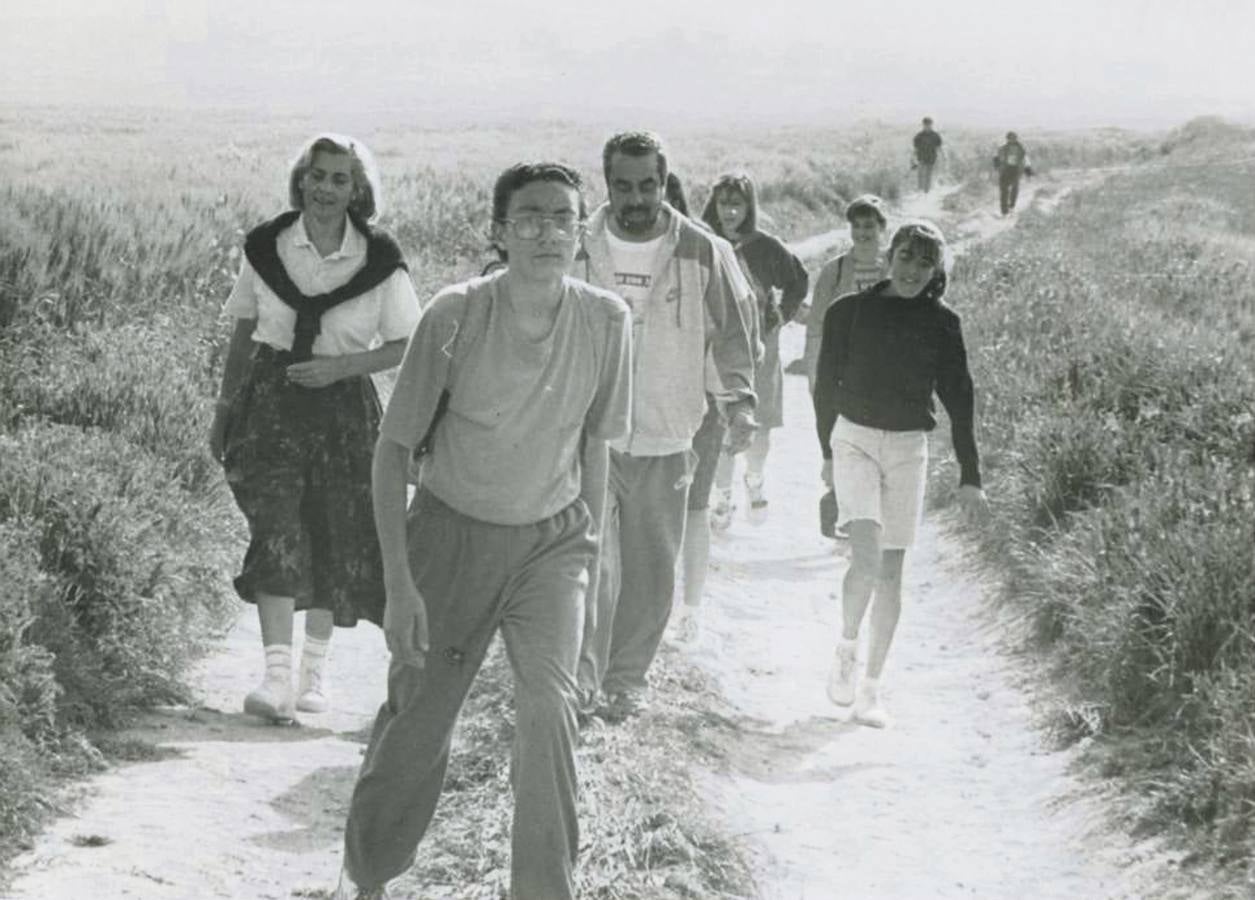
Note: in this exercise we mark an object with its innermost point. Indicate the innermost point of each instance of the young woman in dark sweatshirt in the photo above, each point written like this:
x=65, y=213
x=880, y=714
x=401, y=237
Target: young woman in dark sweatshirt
x=780, y=282
x=883, y=354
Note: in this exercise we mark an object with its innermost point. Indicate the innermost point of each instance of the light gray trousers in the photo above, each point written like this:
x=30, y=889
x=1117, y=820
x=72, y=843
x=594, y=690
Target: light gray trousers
x=644, y=527
x=475, y=577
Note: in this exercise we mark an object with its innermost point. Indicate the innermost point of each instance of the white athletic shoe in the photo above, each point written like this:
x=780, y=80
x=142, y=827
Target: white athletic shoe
x=721, y=510
x=844, y=673
x=754, y=489
x=312, y=695
x=272, y=700
x=868, y=710
x=688, y=625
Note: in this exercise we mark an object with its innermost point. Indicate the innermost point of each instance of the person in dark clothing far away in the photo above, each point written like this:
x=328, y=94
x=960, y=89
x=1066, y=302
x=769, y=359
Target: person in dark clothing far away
x=884, y=352
x=1011, y=161
x=927, y=145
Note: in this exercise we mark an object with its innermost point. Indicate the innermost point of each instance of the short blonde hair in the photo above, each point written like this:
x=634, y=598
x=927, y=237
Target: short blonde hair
x=367, y=201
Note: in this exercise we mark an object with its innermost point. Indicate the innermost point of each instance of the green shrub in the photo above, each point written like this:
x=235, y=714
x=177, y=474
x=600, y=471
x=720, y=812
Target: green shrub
x=148, y=383
x=1110, y=344
x=131, y=566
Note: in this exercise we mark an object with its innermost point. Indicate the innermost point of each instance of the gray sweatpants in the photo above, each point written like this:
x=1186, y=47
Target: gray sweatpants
x=475, y=577
x=644, y=527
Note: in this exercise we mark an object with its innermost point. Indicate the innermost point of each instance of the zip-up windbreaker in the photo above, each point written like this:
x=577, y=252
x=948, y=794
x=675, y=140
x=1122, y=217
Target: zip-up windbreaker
x=692, y=308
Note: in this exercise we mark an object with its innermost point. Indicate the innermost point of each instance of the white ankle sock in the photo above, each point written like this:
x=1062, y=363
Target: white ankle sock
x=315, y=650
x=870, y=686
x=279, y=662
x=847, y=645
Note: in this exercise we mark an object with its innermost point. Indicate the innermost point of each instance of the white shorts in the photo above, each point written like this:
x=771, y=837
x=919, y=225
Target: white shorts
x=880, y=475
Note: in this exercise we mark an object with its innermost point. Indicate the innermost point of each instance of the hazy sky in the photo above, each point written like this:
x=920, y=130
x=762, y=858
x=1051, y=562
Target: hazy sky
x=1041, y=62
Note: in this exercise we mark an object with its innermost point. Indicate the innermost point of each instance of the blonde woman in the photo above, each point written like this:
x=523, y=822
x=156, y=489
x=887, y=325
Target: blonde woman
x=323, y=299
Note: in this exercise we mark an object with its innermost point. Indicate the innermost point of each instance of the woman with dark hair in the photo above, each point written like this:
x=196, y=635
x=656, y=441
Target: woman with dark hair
x=884, y=352
x=674, y=192
x=707, y=444
x=323, y=299
x=515, y=382
x=857, y=269
x=779, y=281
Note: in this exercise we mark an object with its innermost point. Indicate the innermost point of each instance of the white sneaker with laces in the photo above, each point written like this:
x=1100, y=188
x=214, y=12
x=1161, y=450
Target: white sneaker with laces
x=271, y=700
x=312, y=694
x=868, y=710
x=844, y=673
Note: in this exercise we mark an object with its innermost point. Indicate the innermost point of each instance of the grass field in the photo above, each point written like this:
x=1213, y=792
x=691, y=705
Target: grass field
x=1117, y=415
x=1113, y=342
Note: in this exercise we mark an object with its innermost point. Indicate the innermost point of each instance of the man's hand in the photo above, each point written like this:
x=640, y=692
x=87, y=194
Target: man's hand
x=741, y=428
x=973, y=505
x=317, y=372
x=825, y=473
x=405, y=623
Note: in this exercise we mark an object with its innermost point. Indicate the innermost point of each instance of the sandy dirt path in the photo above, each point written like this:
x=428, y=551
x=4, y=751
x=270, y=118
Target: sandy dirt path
x=236, y=808
x=957, y=800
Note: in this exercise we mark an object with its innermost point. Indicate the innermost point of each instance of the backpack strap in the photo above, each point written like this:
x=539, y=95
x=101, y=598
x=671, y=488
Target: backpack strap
x=471, y=322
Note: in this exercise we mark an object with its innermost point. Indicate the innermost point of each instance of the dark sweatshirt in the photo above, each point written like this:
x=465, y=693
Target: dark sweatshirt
x=880, y=360
x=773, y=265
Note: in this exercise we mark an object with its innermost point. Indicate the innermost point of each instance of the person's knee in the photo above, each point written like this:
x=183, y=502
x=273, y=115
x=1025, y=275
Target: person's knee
x=864, y=547
x=544, y=712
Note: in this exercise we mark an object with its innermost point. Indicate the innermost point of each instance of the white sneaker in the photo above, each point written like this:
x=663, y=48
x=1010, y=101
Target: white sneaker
x=721, y=510
x=312, y=694
x=272, y=701
x=688, y=626
x=844, y=673
x=754, y=488
x=868, y=710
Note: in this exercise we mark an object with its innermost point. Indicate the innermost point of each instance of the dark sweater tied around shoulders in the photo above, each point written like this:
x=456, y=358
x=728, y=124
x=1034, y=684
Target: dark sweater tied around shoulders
x=881, y=359
x=383, y=257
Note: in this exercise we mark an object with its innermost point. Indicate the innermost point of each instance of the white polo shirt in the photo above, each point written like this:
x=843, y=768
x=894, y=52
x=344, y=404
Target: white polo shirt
x=387, y=312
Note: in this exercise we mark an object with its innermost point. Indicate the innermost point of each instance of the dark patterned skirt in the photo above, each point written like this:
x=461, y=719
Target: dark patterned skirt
x=298, y=461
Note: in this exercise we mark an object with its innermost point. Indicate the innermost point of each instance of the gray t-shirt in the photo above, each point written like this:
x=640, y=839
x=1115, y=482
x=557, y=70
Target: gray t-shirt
x=507, y=449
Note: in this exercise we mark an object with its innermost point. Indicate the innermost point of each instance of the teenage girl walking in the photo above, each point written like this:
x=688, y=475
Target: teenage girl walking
x=883, y=353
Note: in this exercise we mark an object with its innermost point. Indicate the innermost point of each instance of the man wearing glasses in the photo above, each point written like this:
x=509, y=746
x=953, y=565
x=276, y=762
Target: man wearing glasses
x=514, y=383
x=684, y=306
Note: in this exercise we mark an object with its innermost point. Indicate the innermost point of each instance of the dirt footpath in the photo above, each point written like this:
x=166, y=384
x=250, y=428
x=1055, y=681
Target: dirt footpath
x=233, y=808
x=959, y=798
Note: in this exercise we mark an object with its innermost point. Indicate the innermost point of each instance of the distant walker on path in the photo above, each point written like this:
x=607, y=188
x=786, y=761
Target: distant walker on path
x=927, y=147
x=1012, y=163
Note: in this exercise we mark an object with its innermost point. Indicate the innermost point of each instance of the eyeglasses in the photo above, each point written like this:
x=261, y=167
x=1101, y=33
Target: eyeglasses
x=531, y=226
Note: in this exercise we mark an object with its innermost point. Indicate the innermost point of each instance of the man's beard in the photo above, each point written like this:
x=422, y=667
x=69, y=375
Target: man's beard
x=637, y=219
